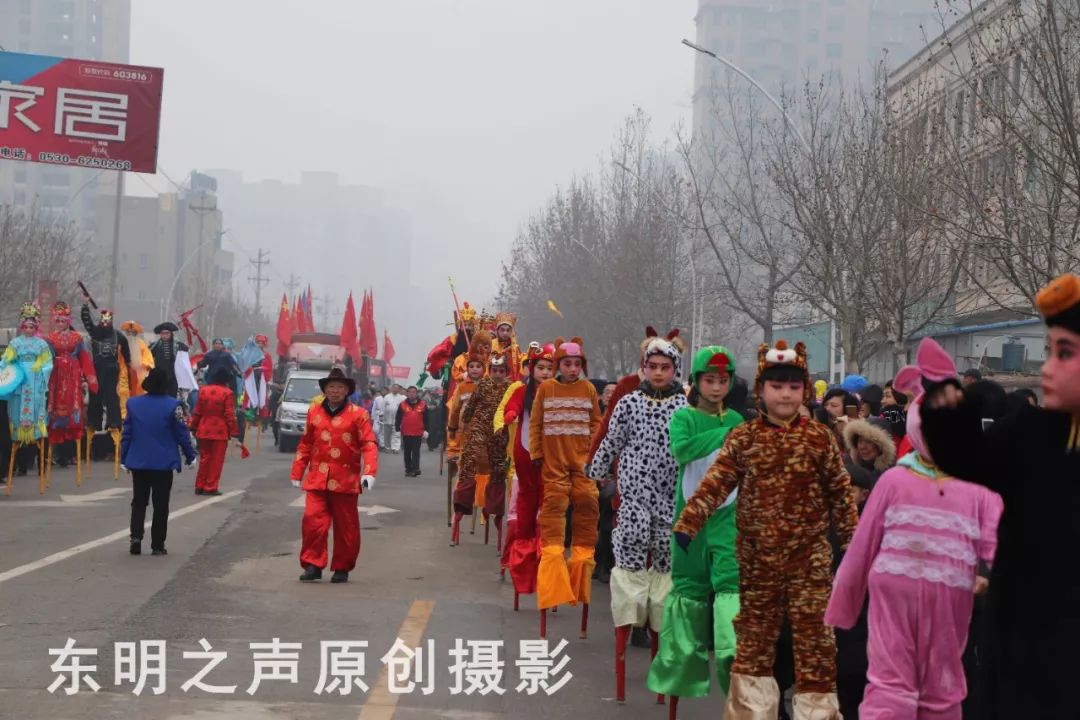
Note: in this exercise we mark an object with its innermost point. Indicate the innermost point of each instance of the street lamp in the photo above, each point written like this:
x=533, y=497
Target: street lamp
x=746, y=76
x=166, y=301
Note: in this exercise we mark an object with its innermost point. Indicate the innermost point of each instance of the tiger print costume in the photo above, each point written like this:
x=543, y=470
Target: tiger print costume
x=792, y=485
x=483, y=450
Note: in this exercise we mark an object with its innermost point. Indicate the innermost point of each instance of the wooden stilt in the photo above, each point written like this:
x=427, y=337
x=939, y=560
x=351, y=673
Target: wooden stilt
x=78, y=462
x=517, y=601
x=487, y=532
x=11, y=468
x=622, y=637
x=41, y=467
x=258, y=435
x=49, y=464
x=89, y=442
x=543, y=624
x=474, y=514
x=115, y=434
x=584, y=621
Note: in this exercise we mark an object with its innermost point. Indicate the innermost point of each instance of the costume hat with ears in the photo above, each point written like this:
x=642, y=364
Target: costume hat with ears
x=670, y=347
x=538, y=353
x=480, y=337
x=932, y=366
x=781, y=362
x=571, y=348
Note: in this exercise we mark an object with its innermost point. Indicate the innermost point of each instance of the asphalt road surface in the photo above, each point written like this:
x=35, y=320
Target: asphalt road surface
x=230, y=579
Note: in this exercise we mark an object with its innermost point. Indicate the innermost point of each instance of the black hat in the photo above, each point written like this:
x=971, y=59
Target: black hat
x=156, y=382
x=337, y=375
x=171, y=327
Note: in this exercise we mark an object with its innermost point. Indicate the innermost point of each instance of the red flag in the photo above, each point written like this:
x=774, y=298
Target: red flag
x=309, y=307
x=387, y=349
x=297, y=318
x=348, y=332
x=284, y=328
x=369, y=336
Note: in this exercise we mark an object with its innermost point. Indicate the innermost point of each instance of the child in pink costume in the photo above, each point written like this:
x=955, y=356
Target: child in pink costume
x=917, y=548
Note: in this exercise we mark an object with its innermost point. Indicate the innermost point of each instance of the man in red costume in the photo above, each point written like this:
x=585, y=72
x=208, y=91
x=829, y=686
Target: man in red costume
x=339, y=453
x=71, y=365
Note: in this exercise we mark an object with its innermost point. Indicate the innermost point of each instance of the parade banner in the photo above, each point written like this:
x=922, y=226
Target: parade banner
x=397, y=372
x=79, y=112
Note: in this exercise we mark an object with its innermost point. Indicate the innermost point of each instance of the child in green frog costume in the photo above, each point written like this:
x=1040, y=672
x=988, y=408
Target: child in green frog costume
x=704, y=598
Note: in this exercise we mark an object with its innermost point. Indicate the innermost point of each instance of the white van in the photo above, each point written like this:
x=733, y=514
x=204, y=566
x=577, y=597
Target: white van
x=301, y=387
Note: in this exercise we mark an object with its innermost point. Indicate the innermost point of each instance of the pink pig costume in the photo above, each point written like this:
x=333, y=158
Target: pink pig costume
x=916, y=548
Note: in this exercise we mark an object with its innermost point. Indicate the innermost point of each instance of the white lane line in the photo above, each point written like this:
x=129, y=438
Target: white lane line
x=83, y=547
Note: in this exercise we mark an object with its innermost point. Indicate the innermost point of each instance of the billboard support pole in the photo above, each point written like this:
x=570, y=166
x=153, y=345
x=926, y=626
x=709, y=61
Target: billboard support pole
x=115, y=269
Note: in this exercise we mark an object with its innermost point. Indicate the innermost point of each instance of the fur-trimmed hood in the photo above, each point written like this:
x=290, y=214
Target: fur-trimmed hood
x=854, y=429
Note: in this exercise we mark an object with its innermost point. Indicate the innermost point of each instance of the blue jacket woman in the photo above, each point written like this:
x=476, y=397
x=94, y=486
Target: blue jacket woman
x=153, y=439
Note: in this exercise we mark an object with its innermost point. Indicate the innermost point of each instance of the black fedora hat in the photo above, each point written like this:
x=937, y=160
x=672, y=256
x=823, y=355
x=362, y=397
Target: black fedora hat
x=337, y=375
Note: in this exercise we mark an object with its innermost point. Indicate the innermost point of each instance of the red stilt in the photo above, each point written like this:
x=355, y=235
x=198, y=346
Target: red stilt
x=672, y=706
x=487, y=529
x=516, y=600
x=543, y=624
x=455, y=532
x=584, y=621
x=622, y=637
x=655, y=648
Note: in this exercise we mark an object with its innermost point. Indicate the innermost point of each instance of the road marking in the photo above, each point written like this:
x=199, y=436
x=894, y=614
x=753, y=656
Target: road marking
x=363, y=509
x=83, y=547
x=381, y=703
x=96, y=496
x=86, y=500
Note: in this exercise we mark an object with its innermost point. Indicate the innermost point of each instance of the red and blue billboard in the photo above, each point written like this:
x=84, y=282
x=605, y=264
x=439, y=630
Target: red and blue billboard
x=79, y=112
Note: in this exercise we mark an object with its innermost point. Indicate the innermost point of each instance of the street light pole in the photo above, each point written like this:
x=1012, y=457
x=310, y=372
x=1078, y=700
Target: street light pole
x=746, y=76
x=166, y=302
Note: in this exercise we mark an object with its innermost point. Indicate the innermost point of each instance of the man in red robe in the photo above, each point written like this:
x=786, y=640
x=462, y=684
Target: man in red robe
x=339, y=453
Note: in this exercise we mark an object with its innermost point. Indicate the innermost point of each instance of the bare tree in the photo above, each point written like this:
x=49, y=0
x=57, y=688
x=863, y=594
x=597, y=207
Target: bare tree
x=37, y=247
x=734, y=206
x=609, y=251
x=1004, y=123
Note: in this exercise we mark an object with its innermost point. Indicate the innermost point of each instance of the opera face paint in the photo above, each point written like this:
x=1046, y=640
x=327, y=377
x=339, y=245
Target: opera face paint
x=1061, y=372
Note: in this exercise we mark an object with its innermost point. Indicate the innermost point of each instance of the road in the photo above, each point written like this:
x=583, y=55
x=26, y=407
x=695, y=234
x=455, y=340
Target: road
x=231, y=578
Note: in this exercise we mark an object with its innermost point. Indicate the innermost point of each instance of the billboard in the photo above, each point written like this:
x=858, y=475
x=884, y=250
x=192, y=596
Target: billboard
x=397, y=372
x=79, y=112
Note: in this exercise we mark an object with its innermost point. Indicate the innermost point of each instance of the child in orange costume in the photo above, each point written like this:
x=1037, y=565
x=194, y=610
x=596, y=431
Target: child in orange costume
x=565, y=415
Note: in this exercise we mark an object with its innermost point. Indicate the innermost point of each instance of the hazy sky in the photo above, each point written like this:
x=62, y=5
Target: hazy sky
x=469, y=112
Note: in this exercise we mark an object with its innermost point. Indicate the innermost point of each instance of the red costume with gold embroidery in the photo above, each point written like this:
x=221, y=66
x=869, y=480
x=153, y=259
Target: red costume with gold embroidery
x=71, y=364
x=337, y=449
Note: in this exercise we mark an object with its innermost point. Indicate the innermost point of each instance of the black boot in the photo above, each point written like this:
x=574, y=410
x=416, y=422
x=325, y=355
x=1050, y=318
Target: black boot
x=339, y=576
x=135, y=548
x=158, y=551
x=311, y=574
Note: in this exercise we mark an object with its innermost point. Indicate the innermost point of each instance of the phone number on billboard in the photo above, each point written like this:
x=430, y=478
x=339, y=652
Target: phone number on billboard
x=84, y=161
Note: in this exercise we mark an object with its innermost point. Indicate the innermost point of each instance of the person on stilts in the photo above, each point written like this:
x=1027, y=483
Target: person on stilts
x=638, y=436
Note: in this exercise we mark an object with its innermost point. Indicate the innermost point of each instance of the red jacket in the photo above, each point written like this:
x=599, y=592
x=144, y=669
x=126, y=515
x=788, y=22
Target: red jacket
x=336, y=450
x=411, y=420
x=215, y=414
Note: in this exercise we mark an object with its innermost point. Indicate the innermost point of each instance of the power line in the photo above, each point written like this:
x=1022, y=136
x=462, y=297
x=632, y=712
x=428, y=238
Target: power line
x=258, y=280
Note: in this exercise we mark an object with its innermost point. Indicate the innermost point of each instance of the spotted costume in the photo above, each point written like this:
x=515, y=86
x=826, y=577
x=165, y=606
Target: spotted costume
x=638, y=436
x=791, y=480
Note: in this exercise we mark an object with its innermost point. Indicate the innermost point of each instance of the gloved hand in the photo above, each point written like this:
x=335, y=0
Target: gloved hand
x=193, y=464
x=124, y=468
x=367, y=482
x=683, y=540
x=295, y=483
x=425, y=435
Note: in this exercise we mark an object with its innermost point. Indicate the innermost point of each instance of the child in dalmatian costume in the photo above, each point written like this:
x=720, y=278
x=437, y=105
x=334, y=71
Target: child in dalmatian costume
x=638, y=437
